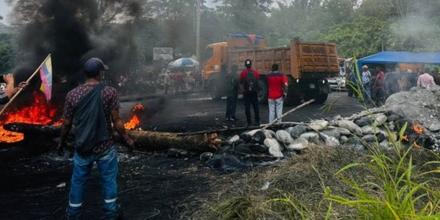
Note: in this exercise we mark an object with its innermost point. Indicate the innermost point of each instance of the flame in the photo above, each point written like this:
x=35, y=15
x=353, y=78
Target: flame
x=39, y=113
x=132, y=123
x=135, y=118
x=418, y=128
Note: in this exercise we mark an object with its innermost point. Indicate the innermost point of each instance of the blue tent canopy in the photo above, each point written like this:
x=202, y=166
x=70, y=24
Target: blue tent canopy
x=393, y=57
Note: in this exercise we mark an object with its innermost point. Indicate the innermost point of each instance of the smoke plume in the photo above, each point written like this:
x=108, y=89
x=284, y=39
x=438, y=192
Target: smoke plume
x=73, y=31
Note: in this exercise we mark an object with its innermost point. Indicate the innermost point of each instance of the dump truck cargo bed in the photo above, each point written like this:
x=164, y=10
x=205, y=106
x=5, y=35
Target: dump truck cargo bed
x=300, y=60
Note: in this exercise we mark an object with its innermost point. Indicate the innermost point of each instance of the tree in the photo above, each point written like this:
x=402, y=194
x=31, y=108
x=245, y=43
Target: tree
x=7, y=53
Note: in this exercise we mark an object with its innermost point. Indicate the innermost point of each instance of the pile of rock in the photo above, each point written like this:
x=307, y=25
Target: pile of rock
x=377, y=126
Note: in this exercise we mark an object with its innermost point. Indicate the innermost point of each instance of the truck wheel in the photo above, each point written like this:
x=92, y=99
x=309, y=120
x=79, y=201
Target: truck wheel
x=321, y=98
x=293, y=99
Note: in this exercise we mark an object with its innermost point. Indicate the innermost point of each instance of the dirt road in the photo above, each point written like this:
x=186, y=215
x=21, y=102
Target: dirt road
x=152, y=185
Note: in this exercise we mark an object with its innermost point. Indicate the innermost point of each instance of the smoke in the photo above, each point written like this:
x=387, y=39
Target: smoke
x=417, y=30
x=73, y=31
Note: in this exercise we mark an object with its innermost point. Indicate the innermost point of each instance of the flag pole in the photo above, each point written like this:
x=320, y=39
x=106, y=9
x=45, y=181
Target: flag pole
x=21, y=89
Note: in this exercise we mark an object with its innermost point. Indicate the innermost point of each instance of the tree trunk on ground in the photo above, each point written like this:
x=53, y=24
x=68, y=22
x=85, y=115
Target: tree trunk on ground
x=144, y=140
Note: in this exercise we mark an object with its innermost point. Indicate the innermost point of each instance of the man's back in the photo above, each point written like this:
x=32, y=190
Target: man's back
x=110, y=101
x=275, y=83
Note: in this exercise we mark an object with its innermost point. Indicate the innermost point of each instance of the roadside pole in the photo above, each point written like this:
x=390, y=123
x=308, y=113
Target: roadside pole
x=198, y=11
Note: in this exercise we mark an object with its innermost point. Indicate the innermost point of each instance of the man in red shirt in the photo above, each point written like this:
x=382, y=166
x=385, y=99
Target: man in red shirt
x=249, y=83
x=277, y=90
x=379, y=87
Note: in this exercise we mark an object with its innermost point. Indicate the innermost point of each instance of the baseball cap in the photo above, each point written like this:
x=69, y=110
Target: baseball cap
x=248, y=63
x=94, y=64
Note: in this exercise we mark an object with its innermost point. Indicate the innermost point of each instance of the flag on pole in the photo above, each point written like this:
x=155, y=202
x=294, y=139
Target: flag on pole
x=46, y=77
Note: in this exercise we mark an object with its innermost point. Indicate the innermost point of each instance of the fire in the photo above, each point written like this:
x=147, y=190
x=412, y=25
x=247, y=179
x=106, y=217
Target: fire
x=418, y=128
x=135, y=118
x=39, y=112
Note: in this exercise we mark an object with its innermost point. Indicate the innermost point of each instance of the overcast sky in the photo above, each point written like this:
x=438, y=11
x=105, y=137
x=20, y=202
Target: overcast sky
x=4, y=10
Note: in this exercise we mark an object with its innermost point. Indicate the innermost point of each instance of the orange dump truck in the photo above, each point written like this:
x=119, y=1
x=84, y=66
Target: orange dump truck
x=307, y=64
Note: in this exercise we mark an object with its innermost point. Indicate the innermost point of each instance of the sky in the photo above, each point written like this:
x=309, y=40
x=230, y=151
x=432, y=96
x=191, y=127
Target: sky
x=4, y=10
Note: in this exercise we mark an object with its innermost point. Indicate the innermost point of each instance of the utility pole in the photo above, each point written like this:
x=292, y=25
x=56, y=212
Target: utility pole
x=198, y=11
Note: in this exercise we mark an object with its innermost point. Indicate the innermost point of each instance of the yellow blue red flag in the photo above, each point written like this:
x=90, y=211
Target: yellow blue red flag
x=46, y=77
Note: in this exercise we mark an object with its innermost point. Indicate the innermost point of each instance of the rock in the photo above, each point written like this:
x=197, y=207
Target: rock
x=173, y=152
x=366, y=120
x=311, y=137
x=381, y=135
x=259, y=137
x=343, y=139
x=283, y=137
x=393, y=117
x=391, y=125
x=296, y=131
x=369, y=130
x=329, y=140
x=250, y=148
x=233, y=139
x=417, y=105
x=434, y=127
x=354, y=128
x=385, y=145
x=318, y=125
x=379, y=119
x=274, y=147
x=298, y=144
x=269, y=133
x=369, y=138
x=354, y=141
x=258, y=148
x=206, y=156
x=343, y=131
x=246, y=137
x=332, y=132
x=253, y=132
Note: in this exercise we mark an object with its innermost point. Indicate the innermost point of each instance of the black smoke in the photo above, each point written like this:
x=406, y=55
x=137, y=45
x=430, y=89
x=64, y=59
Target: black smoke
x=73, y=31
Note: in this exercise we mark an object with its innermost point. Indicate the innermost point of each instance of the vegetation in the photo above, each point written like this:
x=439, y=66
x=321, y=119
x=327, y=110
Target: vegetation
x=7, y=53
x=398, y=184
x=359, y=27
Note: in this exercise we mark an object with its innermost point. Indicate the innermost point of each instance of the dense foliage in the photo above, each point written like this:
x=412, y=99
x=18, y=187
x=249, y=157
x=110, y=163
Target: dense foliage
x=359, y=27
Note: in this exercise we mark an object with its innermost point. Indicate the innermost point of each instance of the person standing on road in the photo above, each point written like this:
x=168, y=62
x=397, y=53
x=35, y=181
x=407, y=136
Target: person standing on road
x=249, y=83
x=379, y=87
x=277, y=91
x=91, y=109
x=425, y=80
x=366, y=82
x=232, y=93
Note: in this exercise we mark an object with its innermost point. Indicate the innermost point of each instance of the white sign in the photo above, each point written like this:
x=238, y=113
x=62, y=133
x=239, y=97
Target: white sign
x=163, y=53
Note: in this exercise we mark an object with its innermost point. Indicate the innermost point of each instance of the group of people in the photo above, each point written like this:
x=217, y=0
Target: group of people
x=247, y=82
x=376, y=87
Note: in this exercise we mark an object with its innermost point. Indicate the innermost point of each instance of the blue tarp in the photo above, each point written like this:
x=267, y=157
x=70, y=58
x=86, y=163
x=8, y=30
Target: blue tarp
x=394, y=57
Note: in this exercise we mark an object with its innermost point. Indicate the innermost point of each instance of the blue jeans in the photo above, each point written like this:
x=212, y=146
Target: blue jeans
x=108, y=170
x=275, y=109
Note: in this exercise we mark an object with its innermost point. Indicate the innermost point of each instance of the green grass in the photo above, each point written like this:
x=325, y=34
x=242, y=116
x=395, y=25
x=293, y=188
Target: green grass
x=383, y=185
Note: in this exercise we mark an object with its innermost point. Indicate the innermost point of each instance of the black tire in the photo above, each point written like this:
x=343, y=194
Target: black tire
x=293, y=99
x=321, y=98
